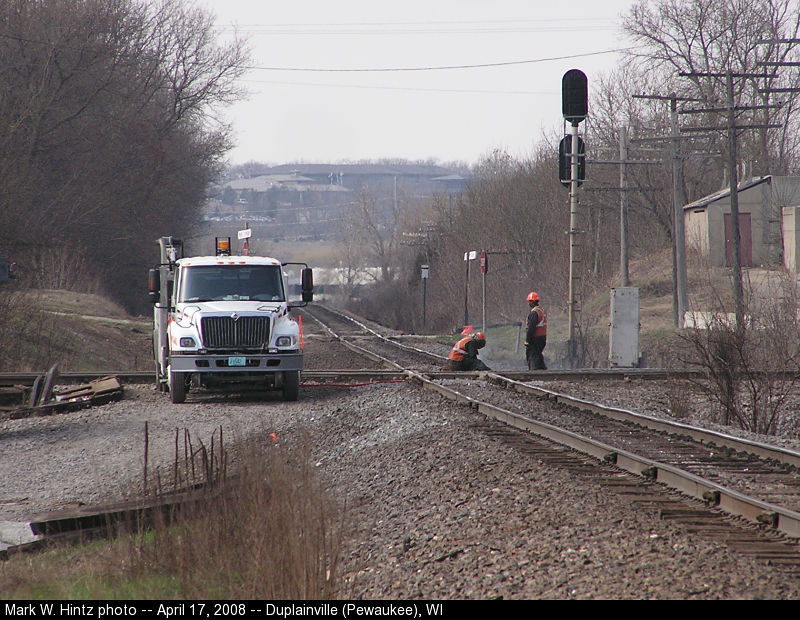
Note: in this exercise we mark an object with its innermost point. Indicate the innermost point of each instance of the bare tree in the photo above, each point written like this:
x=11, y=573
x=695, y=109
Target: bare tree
x=375, y=226
x=515, y=210
x=749, y=370
x=109, y=107
x=708, y=39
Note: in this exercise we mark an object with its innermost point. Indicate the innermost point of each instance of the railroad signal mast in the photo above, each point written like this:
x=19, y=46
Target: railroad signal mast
x=574, y=108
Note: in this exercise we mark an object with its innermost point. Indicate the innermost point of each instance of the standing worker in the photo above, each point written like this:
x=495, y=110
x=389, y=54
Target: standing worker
x=464, y=355
x=536, y=334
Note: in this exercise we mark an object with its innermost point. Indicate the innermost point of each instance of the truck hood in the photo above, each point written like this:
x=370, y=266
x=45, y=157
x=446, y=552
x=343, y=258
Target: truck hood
x=230, y=306
x=191, y=311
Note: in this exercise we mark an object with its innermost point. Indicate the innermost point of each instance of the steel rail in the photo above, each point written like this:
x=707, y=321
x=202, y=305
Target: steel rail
x=759, y=449
x=88, y=522
x=355, y=348
x=706, y=436
x=727, y=500
x=28, y=379
x=702, y=435
x=375, y=333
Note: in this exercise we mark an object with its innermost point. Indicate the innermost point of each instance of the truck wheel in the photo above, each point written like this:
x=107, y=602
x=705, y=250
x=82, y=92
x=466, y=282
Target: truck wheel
x=291, y=385
x=177, y=387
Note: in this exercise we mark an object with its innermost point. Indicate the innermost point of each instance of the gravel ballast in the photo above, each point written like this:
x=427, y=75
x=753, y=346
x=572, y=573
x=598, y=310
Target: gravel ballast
x=441, y=509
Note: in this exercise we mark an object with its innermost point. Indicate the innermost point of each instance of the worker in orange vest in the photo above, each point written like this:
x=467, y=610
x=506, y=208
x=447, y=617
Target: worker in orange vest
x=464, y=354
x=536, y=334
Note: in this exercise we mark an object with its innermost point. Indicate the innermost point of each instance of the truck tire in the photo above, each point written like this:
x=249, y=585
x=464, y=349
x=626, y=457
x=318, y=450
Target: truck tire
x=177, y=387
x=291, y=385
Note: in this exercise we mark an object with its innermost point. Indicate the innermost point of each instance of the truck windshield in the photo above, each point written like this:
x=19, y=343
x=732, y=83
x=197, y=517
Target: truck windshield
x=231, y=282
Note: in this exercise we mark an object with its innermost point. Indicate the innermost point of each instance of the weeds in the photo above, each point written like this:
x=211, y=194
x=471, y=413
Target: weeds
x=751, y=367
x=679, y=401
x=30, y=339
x=269, y=531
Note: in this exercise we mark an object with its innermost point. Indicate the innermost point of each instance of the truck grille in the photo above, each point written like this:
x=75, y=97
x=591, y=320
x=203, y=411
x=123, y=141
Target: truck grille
x=223, y=332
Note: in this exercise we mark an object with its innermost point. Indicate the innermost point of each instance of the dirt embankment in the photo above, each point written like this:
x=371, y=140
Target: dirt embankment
x=80, y=332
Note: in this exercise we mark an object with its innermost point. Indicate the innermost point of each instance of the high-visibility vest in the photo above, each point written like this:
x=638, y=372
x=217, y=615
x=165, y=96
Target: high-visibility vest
x=541, y=326
x=459, y=352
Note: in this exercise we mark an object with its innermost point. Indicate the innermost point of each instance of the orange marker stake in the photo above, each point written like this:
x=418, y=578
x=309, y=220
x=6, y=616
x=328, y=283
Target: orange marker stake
x=300, y=322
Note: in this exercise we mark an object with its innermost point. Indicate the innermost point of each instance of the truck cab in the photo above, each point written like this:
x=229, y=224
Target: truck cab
x=225, y=321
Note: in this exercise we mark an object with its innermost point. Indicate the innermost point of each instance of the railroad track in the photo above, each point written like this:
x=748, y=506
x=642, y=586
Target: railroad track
x=382, y=346
x=717, y=478
x=753, y=481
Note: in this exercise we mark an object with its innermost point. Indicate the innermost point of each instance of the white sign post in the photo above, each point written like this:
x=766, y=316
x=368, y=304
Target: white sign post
x=245, y=234
x=425, y=269
x=468, y=256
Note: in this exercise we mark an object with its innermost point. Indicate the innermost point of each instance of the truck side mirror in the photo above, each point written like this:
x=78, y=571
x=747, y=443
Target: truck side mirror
x=307, y=284
x=153, y=285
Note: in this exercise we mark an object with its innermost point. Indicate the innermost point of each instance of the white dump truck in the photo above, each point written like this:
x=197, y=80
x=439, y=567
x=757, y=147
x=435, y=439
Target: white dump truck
x=225, y=321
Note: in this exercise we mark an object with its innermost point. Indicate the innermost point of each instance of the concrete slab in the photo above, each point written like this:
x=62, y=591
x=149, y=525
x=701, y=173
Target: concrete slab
x=13, y=533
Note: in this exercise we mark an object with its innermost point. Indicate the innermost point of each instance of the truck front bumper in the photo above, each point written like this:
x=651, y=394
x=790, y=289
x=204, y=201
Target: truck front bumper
x=266, y=363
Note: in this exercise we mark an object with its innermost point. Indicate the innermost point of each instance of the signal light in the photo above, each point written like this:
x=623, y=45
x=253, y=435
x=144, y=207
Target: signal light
x=565, y=161
x=574, y=96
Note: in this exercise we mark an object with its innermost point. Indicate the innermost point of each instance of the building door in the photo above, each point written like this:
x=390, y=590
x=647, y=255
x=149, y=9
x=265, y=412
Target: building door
x=745, y=237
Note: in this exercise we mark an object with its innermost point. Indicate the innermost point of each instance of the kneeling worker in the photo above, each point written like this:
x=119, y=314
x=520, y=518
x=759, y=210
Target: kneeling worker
x=464, y=355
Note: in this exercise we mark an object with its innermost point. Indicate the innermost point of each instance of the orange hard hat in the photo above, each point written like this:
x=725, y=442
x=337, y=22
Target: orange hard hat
x=479, y=336
x=533, y=296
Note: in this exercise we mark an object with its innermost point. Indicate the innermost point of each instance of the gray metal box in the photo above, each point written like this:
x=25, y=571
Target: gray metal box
x=623, y=339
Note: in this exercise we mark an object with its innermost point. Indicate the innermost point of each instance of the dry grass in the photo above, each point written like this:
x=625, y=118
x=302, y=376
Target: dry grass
x=30, y=337
x=269, y=533
x=708, y=289
x=80, y=332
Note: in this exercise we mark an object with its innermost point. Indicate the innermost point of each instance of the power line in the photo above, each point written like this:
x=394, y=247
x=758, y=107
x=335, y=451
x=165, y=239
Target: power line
x=367, y=70
x=441, y=68
x=405, y=88
x=435, y=27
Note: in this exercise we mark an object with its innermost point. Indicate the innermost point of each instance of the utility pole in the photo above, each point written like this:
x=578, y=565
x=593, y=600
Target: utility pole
x=679, y=271
x=681, y=278
x=623, y=162
x=573, y=242
x=624, y=278
x=733, y=170
x=731, y=127
x=425, y=272
x=468, y=256
x=484, y=269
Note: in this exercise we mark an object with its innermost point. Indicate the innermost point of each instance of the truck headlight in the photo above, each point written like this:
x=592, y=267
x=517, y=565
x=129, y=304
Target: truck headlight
x=188, y=343
x=283, y=341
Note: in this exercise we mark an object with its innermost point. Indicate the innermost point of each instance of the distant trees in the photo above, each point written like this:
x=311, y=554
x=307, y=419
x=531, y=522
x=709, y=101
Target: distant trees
x=516, y=210
x=107, y=138
x=371, y=248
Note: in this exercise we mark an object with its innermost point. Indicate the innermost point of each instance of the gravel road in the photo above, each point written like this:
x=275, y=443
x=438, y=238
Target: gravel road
x=443, y=509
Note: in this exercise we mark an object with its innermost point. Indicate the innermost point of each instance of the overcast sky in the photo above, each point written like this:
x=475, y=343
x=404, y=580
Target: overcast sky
x=450, y=80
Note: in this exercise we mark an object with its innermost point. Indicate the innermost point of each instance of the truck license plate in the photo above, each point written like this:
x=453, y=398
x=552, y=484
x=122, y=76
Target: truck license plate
x=237, y=361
